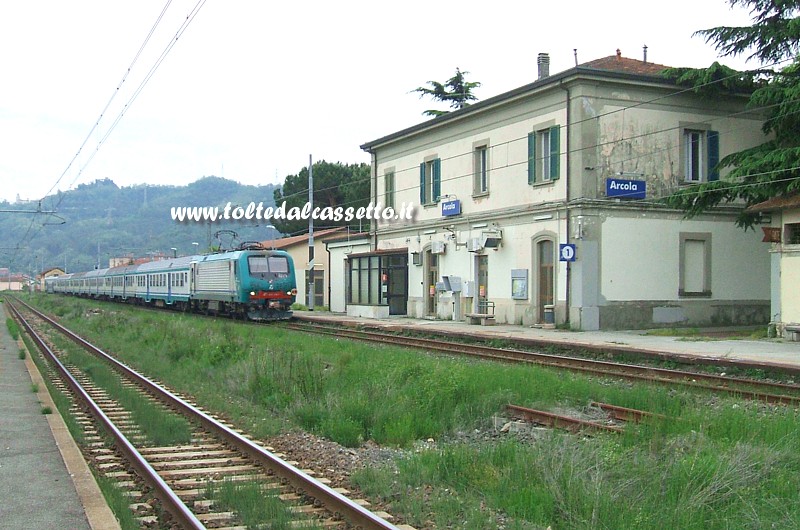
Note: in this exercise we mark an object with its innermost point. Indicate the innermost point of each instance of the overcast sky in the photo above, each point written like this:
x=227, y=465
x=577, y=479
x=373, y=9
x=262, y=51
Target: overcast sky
x=251, y=88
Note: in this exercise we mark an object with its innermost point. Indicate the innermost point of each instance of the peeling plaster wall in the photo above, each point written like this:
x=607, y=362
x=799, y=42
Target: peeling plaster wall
x=639, y=132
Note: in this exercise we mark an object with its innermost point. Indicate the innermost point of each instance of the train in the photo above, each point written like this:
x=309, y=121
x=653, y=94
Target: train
x=254, y=284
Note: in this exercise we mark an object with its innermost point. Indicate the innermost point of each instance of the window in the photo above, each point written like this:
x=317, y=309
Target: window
x=544, y=154
x=278, y=264
x=430, y=181
x=368, y=280
x=480, y=165
x=389, y=189
x=792, y=234
x=695, y=265
x=268, y=266
x=700, y=155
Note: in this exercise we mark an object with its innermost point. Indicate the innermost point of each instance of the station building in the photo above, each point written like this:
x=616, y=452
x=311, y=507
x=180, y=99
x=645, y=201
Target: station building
x=541, y=205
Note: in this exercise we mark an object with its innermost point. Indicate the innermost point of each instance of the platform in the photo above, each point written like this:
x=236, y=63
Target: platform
x=44, y=482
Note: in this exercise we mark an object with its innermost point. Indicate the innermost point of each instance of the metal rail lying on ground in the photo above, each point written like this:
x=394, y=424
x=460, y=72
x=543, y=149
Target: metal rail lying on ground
x=557, y=420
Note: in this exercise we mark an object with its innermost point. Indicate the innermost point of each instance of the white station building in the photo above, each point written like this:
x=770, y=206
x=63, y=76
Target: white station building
x=541, y=206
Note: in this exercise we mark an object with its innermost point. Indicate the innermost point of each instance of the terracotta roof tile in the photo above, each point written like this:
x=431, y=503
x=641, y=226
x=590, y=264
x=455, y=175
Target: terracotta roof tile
x=780, y=202
x=618, y=63
x=287, y=242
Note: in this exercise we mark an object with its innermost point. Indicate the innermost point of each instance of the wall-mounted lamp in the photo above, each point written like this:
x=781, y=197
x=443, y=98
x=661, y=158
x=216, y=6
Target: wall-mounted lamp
x=578, y=233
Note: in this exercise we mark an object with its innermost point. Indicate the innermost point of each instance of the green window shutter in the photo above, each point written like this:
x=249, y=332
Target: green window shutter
x=422, y=183
x=555, y=152
x=531, y=158
x=437, y=179
x=713, y=154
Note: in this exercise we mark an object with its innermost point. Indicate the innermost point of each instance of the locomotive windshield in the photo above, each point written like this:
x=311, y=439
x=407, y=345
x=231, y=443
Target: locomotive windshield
x=268, y=266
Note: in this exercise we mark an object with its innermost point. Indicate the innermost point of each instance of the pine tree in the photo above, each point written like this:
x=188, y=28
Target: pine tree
x=772, y=168
x=456, y=91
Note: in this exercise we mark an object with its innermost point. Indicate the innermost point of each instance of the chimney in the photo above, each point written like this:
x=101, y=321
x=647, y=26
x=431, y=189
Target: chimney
x=619, y=54
x=544, y=65
x=644, y=49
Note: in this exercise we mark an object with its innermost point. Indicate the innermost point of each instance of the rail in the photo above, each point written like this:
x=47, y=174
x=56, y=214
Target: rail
x=328, y=497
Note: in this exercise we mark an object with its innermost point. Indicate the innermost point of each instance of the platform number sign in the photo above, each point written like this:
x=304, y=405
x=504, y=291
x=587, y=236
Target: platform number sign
x=566, y=252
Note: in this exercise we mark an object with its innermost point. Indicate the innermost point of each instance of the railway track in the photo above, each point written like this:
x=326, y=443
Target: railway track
x=177, y=480
x=766, y=391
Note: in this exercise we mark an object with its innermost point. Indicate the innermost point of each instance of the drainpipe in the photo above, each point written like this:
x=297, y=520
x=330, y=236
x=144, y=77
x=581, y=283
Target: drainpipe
x=373, y=223
x=567, y=150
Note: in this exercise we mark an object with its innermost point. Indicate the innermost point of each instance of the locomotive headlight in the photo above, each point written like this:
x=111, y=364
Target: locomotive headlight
x=252, y=293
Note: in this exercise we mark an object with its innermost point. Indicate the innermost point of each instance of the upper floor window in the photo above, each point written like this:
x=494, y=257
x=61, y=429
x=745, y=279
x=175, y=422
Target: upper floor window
x=430, y=181
x=544, y=153
x=791, y=234
x=700, y=155
x=480, y=171
x=388, y=197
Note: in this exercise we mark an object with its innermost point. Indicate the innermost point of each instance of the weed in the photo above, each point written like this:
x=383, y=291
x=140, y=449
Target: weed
x=119, y=503
x=21, y=354
x=255, y=504
x=13, y=328
x=47, y=410
x=34, y=388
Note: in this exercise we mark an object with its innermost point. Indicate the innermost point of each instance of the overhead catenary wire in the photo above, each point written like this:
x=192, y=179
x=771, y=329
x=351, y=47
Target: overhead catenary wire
x=186, y=22
x=113, y=96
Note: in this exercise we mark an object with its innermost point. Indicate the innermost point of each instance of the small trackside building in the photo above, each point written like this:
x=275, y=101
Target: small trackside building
x=783, y=235
x=542, y=205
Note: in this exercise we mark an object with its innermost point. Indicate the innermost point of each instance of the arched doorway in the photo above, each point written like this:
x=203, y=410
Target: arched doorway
x=431, y=277
x=544, y=260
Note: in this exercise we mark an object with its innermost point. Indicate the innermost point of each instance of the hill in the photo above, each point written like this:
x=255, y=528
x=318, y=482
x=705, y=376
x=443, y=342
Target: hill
x=103, y=220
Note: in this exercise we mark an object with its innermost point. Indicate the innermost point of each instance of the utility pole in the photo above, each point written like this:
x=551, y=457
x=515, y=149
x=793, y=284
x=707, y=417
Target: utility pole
x=310, y=289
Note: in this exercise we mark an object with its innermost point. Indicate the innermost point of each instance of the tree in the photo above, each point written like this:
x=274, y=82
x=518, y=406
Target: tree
x=335, y=184
x=456, y=91
x=772, y=168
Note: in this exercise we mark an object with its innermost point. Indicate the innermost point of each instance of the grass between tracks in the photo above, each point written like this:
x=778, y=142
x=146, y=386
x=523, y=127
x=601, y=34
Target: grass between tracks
x=254, y=503
x=724, y=464
x=160, y=426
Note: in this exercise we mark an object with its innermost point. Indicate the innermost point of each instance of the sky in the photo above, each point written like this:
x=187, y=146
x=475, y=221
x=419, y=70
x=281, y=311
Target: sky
x=251, y=88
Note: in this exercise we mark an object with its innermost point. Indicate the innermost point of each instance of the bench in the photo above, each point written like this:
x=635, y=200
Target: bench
x=484, y=319
x=792, y=331
x=484, y=316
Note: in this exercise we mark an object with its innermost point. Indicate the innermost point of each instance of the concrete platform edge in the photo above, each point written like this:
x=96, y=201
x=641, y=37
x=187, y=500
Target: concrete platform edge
x=98, y=513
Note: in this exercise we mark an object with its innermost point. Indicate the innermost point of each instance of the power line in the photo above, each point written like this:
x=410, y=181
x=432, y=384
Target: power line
x=189, y=18
x=111, y=99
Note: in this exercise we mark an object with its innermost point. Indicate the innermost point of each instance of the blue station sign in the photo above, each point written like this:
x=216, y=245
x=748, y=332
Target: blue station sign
x=566, y=252
x=451, y=208
x=626, y=189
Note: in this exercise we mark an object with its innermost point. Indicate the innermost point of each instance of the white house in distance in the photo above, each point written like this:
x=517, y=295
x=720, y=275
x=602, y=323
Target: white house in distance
x=541, y=204
x=784, y=236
